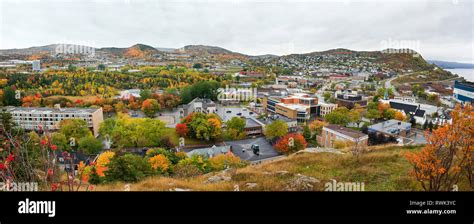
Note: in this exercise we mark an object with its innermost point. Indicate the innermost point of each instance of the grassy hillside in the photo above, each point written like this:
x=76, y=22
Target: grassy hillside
x=381, y=169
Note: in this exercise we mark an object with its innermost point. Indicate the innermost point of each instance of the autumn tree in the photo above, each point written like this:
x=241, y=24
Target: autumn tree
x=107, y=108
x=235, y=128
x=400, y=116
x=145, y=94
x=290, y=143
x=133, y=132
x=317, y=126
x=338, y=116
x=448, y=154
x=159, y=163
x=89, y=145
x=74, y=129
x=150, y=107
x=120, y=107
x=276, y=129
x=182, y=130
x=202, y=126
x=307, y=132
x=10, y=97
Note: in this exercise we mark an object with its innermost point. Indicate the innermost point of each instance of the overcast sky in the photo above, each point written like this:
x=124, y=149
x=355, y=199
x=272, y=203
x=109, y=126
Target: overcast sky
x=439, y=29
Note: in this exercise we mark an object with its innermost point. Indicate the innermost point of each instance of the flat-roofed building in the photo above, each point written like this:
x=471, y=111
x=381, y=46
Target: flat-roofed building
x=253, y=127
x=391, y=127
x=299, y=106
x=326, y=108
x=32, y=118
x=332, y=132
x=291, y=123
x=350, y=99
x=463, y=92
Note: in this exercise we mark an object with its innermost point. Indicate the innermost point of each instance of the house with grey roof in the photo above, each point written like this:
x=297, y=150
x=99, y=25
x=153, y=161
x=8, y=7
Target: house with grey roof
x=210, y=152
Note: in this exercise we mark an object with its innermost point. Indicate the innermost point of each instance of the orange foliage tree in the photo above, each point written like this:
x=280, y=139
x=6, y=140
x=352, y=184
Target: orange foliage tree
x=150, y=107
x=448, y=154
x=159, y=163
x=400, y=116
x=286, y=145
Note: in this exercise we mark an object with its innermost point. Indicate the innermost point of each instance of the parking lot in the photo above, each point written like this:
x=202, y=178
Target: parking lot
x=242, y=148
x=228, y=112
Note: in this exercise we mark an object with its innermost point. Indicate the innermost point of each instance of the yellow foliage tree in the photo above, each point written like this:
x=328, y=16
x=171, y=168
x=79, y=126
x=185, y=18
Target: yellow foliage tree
x=160, y=163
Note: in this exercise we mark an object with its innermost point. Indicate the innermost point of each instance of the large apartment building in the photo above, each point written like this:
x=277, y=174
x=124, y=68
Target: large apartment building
x=299, y=106
x=31, y=118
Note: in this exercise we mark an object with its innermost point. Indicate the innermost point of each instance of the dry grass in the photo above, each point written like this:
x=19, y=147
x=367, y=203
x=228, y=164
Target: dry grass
x=380, y=169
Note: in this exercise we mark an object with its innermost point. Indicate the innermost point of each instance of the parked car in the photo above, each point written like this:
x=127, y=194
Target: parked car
x=256, y=149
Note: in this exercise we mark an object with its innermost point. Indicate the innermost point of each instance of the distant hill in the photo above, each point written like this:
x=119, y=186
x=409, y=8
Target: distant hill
x=396, y=61
x=47, y=49
x=406, y=61
x=135, y=51
x=450, y=65
x=165, y=49
x=203, y=49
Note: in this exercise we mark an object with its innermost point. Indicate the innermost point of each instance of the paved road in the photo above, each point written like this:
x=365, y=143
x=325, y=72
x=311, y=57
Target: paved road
x=388, y=83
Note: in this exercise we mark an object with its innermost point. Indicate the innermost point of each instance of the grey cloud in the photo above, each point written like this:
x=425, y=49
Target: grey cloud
x=444, y=29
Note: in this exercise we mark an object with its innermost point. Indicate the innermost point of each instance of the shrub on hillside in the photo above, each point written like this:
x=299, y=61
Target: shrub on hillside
x=200, y=162
x=223, y=161
x=173, y=157
x=129, y=168
x=187, y=170
x=159, y=163
x=339, y=144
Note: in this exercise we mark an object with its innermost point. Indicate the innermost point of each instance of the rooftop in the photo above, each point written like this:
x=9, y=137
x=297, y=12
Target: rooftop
x=298, y=107
x=465, y=83
x=250, y=123
x=47, y=110
x=270, y=119
x=212, y=151
x=390, y=126
x=345, y=131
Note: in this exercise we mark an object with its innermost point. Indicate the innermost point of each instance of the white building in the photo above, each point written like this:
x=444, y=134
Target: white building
x=326, y=108
x=36, y=66
x=206, y=106
x=32, y=118
x=126, y=94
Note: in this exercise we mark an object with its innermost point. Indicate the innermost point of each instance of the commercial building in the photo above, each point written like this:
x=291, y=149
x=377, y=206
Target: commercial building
x=349, y=99
x=292, y=123
x=463, y=92
x=326, y=108
x=331, y=133
x=227, y=96
x=253, y=127
x=299, y=106
x=32, y=118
